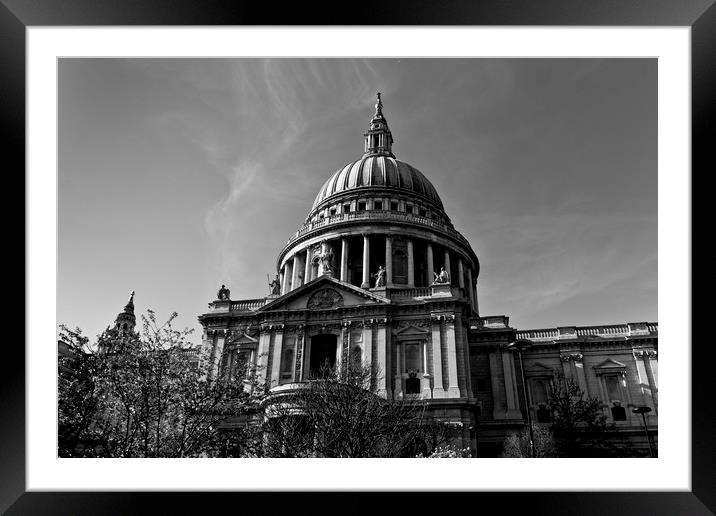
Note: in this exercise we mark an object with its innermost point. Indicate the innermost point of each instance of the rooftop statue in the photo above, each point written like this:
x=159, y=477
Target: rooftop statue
x=223, y=294
x=443, y=278
x=328, y=260
x=275, y=286
x=379, y=277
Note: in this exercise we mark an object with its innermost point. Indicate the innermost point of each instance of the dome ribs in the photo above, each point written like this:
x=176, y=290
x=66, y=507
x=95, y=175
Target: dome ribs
x=354, y=175
x=378, y=171
x=368, y=165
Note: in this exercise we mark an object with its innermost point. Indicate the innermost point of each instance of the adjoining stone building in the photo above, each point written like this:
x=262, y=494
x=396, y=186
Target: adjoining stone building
x=378, y=275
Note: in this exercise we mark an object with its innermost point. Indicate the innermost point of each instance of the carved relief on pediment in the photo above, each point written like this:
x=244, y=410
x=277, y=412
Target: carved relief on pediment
x=325, y=298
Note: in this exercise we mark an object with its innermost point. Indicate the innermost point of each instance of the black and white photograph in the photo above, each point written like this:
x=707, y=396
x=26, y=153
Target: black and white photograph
x=357, y=258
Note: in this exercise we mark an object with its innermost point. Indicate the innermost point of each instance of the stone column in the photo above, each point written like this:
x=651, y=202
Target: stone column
x=286, y=278
x=366, y=261
x=447, y=265
x=431, y=267
x=275, y=378
x=451, y=350
x=460, y=274
x=650, y=364
x=477, y=305
x=344, y=344
x=383, y=380
x=368, y=347
x=511, y=392
x=216, y=356
x=263, y=353
x=469, y=289
x=411, y=264
x=646, y=386
x=425, y=380
x=344, y=259
x=299, y=356
x=307, y=267
x=578, y=361
x=388, y=261
x=295, y=267
x=398, y=389
x=438, y=389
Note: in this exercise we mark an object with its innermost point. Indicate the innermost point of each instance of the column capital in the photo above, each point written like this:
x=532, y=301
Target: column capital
x=575, y=357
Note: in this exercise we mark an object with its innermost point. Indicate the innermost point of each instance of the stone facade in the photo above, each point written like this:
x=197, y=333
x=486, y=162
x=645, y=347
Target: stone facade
x=423, y=337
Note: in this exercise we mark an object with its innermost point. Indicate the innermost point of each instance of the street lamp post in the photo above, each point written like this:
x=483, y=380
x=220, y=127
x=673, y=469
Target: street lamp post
x=520, y=345
x=643, y=411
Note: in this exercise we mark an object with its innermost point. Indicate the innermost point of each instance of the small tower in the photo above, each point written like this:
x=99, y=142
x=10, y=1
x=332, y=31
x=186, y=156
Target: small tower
x=378, y=139
x=126, y=320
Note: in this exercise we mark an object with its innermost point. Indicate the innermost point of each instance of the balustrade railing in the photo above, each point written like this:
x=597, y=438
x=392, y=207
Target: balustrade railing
x=378, y=215
x=538, y=334
x=247, y=305
x=411, y=292
x=603, y=330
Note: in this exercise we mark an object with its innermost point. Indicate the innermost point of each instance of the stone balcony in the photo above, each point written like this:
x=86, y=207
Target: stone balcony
x=382, y=216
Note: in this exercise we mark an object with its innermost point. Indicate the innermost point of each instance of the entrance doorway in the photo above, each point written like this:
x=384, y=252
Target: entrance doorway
x=323, y=352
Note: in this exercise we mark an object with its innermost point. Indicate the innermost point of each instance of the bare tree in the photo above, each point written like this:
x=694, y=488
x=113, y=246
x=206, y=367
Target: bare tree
x=334, y=415
x=518, y=444
x=579, y=425
x=144, y=395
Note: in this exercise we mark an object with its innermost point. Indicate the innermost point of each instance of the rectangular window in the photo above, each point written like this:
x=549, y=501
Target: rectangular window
x=409, y=208
x=346, y=208
x=361, y=206
x=378, y=205
x=333, y=211
x=412, y=357
x=481, y=384
x=423, y=212
x=394, y=206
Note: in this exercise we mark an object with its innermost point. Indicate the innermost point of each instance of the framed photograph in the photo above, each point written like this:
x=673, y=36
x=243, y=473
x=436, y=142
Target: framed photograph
x=485, y=208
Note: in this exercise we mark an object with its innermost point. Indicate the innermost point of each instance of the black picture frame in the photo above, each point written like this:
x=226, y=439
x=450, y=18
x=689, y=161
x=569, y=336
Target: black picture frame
x=700, y=15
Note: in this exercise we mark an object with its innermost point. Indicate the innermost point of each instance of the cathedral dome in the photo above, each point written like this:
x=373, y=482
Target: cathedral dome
x=382, y=171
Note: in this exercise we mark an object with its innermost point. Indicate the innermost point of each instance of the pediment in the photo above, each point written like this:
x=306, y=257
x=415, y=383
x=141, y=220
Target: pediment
x=610, y=363
x=324, y=293
x=538, y=368
x=242, y=339
x=610, y=366
x=411, y=330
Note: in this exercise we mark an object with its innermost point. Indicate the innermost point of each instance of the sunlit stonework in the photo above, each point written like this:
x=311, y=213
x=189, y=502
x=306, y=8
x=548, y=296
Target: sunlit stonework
x=378, y=274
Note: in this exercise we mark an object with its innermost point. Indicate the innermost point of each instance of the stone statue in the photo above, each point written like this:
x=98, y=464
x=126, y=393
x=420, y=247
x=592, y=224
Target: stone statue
x=275, y=286
x=443, y=278
x=328, y=260
x=379, y=277
x=224, y=294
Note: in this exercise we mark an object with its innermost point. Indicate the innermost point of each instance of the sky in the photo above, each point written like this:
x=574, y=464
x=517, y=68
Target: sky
x=178, y=175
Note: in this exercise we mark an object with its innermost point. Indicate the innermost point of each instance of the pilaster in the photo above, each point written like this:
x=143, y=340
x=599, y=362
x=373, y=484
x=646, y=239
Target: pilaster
x=344, y=259
x=431, y=264
x=435, y=332
x=451, y=350
x=411, y=264
x=366, y=261
x=388, y=261
x=511, y=392
x=275, y=378
x=383, y=376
